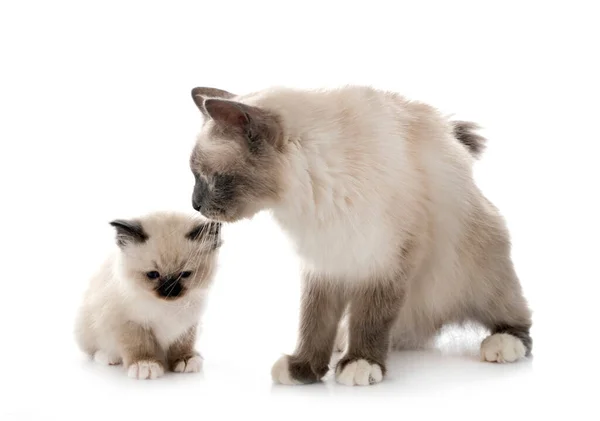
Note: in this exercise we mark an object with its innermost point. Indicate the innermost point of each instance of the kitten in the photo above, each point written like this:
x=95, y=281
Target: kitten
x=377, y=194
x=143, y=306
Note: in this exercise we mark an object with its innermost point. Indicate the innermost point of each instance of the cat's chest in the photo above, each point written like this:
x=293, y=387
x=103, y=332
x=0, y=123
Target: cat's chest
x=170, y=327
x=341, y=247
x=168, y=322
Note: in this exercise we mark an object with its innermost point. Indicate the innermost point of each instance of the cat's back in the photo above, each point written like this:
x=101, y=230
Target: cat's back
x=342, y=113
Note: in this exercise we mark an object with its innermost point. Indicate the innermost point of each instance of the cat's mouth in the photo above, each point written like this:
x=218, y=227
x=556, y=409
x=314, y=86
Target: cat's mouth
x=217, y=214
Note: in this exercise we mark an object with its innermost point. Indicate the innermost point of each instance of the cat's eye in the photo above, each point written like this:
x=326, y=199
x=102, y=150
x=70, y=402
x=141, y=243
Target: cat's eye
x=152, y=274
x=185, y=274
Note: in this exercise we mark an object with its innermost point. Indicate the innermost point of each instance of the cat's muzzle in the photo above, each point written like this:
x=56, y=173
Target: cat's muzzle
x=170, y=288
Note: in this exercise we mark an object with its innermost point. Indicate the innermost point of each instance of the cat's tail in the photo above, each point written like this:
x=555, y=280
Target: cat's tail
x=464, y=131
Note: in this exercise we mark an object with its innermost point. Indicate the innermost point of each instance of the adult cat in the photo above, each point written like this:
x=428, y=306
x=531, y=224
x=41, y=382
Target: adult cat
x=378, y=196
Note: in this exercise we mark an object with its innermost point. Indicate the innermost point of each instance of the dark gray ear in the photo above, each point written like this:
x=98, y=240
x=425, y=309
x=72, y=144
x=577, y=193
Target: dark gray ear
x=200, y=93
x=252, y=122
x=129, y=232
x=206, y=232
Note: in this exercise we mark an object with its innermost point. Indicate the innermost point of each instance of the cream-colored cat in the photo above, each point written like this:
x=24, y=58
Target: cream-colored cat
x=377, y=194
x=143, y=306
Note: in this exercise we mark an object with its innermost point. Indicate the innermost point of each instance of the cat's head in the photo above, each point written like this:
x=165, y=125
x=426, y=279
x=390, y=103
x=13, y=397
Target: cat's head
x=168, y=254
x=236, y=162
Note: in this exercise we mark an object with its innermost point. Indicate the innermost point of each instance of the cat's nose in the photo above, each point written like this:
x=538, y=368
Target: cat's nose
x=199, y=194
x=196, y=204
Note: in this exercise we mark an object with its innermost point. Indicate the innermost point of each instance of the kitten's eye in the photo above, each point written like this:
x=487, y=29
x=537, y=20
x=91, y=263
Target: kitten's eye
x=153, y=274
x=185, y=274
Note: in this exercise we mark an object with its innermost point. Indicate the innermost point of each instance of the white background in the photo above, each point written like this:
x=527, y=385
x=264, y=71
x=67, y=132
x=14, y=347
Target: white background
x=97, y=122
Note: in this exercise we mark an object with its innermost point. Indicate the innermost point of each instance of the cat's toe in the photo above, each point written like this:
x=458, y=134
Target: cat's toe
x=143, y=370
x=502, y=348
x=190, y=365
x=358, y=372
x=104, y=358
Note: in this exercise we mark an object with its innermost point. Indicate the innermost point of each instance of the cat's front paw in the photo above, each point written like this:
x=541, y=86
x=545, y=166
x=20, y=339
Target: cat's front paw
x=143, y=370
x=358, y=372
x=188, y=365
x=290, y=370
x=502, y=348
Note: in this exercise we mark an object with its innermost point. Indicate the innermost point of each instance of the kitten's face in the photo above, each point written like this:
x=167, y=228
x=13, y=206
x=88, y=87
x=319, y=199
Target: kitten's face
x=237, y=161
x=168, y=255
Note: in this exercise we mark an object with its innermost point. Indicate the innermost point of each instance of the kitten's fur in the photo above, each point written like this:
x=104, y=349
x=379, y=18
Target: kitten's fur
x=377, y=194
x=150, y=323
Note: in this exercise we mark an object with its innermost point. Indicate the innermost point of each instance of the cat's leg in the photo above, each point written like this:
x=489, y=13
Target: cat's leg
x=85, y=334
x=494, y=293
x=140, y=352
x=321, y=309
x=181, y=356
x=501, y=307
x=373, y=309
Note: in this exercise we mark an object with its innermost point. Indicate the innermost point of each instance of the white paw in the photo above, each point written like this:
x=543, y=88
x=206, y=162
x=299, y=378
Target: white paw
x=359, y=373
x=102, y=357
x=145, y=370
x=281, y=372
x=502, y=348
x=192, y=365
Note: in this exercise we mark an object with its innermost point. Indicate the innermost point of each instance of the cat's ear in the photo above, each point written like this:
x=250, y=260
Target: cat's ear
x=208, y=233
x=254, y=123
x=129, y=232
x=201, y=93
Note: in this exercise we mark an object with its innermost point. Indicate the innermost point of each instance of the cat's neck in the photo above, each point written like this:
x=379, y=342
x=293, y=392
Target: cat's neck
x=310, y=193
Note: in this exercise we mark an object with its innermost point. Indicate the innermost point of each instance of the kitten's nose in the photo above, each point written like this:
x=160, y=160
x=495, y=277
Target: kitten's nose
x=170, y=288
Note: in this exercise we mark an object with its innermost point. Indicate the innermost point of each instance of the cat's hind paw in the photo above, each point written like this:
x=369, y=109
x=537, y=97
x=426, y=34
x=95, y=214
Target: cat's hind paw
x=502, y=348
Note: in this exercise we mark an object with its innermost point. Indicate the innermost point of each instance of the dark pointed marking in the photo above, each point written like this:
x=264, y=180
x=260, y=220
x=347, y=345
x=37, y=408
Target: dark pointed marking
x=129, y=232
x=464, y=131
x=210, y=231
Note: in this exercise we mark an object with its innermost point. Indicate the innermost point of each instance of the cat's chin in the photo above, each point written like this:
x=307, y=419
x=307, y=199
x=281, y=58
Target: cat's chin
x=226, y=217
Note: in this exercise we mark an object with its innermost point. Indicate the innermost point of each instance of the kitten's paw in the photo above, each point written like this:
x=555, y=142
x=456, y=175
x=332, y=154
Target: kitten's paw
x=502, y=348
x=145, y=370
x=189, y=365
x=104, y=358
x=358, y=373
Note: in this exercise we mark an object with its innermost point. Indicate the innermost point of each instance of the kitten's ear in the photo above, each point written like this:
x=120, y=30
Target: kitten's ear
x=208, y=233
x=201, y=93
x=254, y=123
x=129, y=232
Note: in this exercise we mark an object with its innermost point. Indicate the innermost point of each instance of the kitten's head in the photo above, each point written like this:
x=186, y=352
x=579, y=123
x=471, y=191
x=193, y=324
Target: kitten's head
x=236, y=163
x=168, y=254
